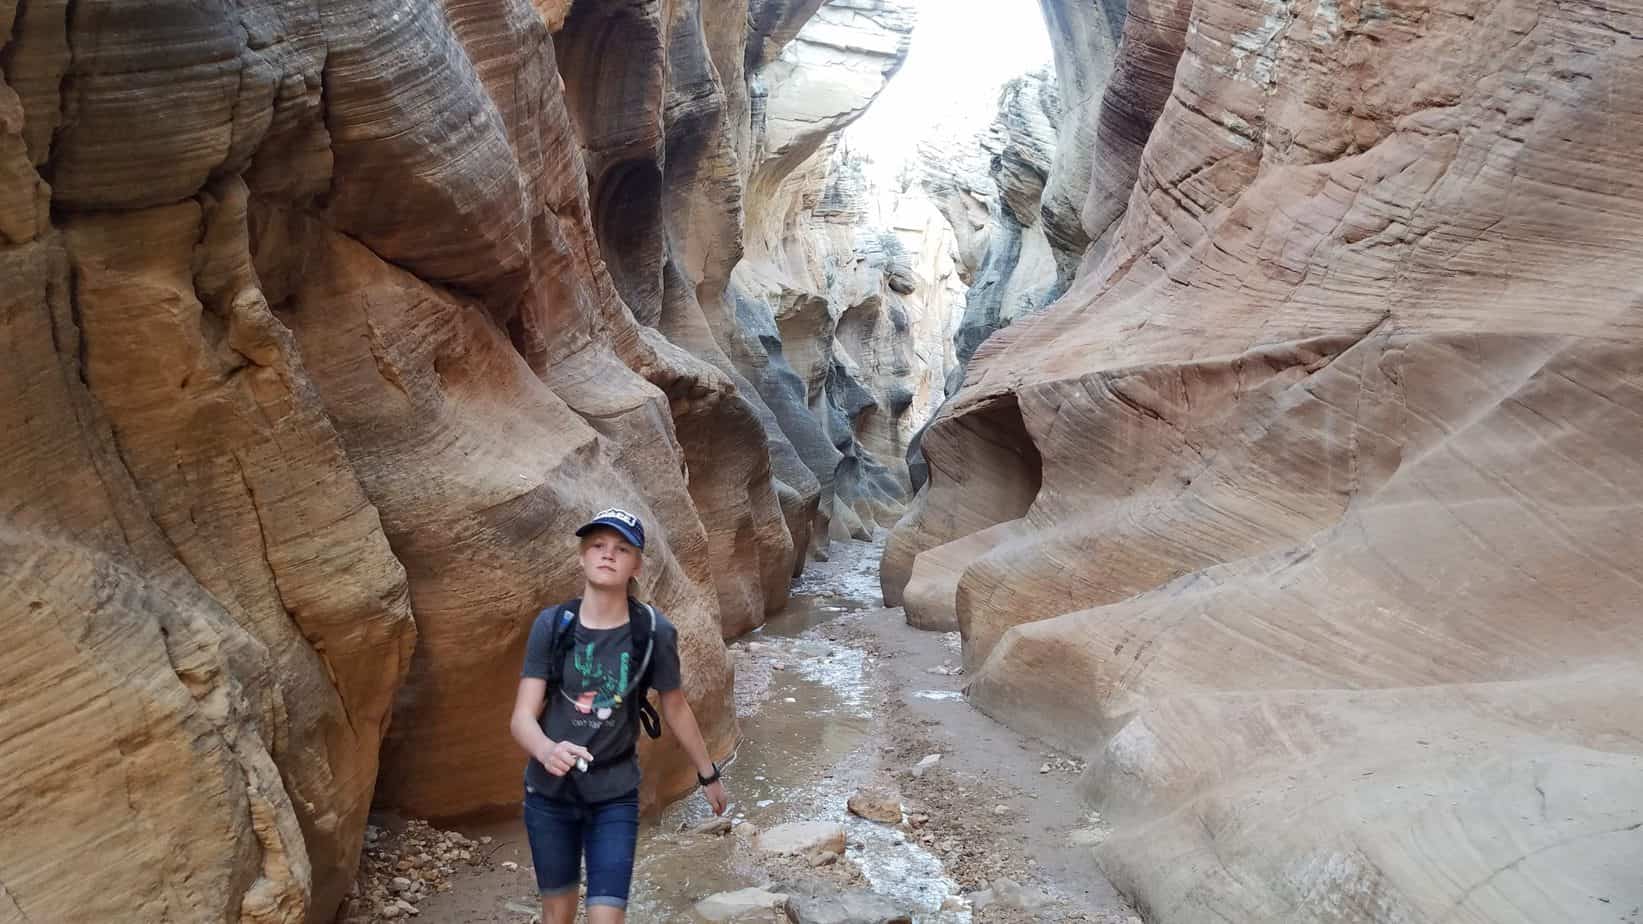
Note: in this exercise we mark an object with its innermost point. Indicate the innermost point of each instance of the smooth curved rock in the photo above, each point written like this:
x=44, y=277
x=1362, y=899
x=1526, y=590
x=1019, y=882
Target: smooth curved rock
x=984, y=471
x=1330, y=561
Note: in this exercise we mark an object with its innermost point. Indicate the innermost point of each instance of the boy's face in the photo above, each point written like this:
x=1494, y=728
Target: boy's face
x=608, y=560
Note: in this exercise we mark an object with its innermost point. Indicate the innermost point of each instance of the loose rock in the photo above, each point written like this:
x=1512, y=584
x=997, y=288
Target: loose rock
x=751, y=904
x=712, y=827
x=1007, y=893
x=876, y=805
x=801, y=837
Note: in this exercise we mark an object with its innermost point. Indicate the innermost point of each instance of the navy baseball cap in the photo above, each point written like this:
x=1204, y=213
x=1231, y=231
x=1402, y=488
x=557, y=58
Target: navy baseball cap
x=620, y=520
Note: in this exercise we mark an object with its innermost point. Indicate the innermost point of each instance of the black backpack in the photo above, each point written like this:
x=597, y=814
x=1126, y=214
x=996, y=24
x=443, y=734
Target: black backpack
x=636, y=698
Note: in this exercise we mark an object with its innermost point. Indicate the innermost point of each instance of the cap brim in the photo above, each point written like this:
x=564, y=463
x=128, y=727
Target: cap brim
x=622, y=528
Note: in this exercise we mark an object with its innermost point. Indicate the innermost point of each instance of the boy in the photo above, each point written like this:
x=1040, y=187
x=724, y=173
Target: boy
x=578, y=712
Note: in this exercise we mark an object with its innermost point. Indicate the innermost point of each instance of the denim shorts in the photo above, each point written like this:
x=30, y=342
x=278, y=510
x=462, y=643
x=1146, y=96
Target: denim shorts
x=561, y=833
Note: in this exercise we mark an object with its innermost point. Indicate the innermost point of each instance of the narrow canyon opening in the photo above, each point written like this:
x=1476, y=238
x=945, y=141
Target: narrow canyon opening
x=1103, y=461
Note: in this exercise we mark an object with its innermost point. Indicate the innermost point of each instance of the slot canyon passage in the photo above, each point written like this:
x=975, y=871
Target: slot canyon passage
x=1204, y=485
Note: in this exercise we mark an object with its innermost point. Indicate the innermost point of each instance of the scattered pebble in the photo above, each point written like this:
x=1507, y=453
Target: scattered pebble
x=403, y=863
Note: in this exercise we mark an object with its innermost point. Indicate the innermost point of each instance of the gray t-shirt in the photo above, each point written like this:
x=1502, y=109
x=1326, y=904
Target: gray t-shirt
x=600, y=666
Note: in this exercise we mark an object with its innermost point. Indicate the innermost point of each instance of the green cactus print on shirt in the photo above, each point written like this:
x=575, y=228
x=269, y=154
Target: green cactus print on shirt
x=607, y=688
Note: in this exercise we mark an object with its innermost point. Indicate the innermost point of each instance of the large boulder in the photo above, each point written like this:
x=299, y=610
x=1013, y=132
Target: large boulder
x=1313, y=506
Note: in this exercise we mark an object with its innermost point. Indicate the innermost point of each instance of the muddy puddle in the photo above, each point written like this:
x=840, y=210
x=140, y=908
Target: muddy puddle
x=806, y=745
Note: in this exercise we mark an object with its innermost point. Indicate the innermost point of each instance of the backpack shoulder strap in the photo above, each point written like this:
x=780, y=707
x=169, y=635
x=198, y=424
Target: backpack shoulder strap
x=561, y=639
x=642, y=618
x=644, y=645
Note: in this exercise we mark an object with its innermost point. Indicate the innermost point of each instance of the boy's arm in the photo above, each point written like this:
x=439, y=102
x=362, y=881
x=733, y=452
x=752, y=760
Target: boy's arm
x=527, y=706
x=557, y=756
x=677, y=715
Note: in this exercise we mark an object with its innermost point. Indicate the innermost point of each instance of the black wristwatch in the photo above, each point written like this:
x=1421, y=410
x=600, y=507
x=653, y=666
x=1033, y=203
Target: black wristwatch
x=709, y=780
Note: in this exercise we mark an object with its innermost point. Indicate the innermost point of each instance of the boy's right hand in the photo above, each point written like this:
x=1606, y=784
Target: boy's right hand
x=560, y=756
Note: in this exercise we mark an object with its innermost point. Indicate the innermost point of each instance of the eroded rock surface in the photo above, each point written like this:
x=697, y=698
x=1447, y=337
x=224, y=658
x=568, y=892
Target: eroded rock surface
x=844, y=296
x=323, y=328
x=1015, y=193
x=990, y=189
x=1311, y=510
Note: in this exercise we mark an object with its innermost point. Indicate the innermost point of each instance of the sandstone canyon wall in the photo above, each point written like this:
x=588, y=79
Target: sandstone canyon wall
x=990, y=189
x=842, y=300
x=323, y=326
x=1014, y=193
x=1311, y=511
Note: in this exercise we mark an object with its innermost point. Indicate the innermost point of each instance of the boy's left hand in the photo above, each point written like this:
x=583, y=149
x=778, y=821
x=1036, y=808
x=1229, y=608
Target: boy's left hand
x=715, y=792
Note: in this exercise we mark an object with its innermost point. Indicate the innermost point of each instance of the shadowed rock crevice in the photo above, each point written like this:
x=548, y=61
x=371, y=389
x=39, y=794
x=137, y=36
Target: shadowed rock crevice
x=627, y=219
x=984, y=475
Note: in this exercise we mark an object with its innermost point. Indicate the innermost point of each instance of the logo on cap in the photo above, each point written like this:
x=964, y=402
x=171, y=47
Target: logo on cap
x=620, y=520
x=618, y=514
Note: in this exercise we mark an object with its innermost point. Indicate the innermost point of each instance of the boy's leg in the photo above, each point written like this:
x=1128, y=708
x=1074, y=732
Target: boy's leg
x=609, y=841
x=559, y=909
x=555, y=830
